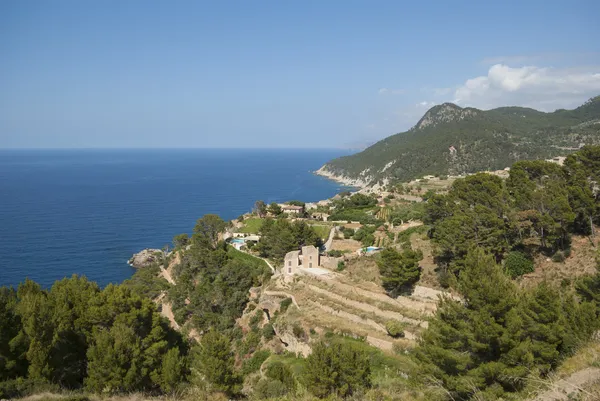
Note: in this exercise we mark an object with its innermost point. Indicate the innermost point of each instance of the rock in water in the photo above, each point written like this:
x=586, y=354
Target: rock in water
x=144, y=258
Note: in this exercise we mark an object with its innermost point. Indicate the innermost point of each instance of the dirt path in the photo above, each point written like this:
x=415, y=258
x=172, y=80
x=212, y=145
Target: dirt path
x=263, y=259
x=167, y=312
x=166, y=275
x=564, y=389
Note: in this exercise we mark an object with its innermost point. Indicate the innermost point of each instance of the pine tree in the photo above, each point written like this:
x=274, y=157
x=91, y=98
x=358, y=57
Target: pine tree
x=213, y=364
x=399, y=270
x=337, y=368
x=172, y=370
x=12, y=348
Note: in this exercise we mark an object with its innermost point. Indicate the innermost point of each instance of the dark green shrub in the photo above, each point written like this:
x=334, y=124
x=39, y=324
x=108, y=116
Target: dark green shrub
x=250, y=343
x=298, y=331
x=348, y=232
x=284, y=305
x=558, y=257
x=395, y=328
x=517, y=263
x=341, y=265
x=268, y=332
x=255, y=362
x=281, y=372
x=20, y=387
x=256, y=319
x=269, y=389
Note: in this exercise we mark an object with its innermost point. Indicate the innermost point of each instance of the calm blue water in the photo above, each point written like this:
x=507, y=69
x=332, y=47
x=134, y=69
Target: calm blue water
x=88, y=211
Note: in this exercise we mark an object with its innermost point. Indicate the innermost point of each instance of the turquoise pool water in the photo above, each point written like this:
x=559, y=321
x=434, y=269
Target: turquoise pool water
x=238, y=241
x=372, y=248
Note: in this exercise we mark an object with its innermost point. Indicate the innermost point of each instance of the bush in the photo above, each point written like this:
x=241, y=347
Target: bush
x=517, y=264
x=395, y=328
x=268, y=332
x=343, y=368
x=282, y=373
x=250, y=343
x=558, y=257
x=256, y=319
x=348, y=232
x=341, y=265
x=284, y=305
x=269, y=389
x=298, y=331
x=335, y=253
x=20, y=387
x=253, y=364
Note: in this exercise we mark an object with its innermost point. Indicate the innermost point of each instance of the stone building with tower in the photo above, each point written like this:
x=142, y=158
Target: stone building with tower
x=307, y=257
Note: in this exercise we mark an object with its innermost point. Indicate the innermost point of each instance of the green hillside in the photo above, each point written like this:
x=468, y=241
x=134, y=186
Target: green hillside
x=484, y=140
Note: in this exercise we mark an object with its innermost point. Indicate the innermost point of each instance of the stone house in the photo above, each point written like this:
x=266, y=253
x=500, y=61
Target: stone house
x=292, y=209
x=307, y=257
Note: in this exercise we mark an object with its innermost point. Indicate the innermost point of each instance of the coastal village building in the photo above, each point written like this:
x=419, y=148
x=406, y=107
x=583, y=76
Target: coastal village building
x=292, y=209
x=320, y=216
x=307, y=257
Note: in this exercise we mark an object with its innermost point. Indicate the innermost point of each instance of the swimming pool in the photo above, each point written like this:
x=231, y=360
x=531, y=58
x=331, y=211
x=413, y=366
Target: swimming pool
x=238, y=240
x=372, y=248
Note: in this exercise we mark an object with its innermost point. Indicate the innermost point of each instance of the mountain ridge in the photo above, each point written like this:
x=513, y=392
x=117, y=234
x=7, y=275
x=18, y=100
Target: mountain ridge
x=454, y=140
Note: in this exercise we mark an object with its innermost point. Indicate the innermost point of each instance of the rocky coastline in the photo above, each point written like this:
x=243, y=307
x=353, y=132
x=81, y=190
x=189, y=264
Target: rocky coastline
x=351, y=182
x=144, y=258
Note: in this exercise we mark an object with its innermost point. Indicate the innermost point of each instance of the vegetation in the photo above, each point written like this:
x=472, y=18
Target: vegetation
x=536, y=210
x=338, y=368
x=75, y=335
x=279, y=237
x=214, y=281
x=395, y=328
x=484, y=140
x=517, y=264
x=488, y=344
x=252, y=225
x=399, y=270
x=274, y=209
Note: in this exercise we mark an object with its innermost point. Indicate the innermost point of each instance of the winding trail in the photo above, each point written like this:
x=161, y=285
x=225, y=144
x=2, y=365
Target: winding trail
x=166, y=275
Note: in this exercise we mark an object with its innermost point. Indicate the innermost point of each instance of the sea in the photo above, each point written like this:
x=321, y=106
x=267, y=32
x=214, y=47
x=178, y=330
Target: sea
x=85, y=212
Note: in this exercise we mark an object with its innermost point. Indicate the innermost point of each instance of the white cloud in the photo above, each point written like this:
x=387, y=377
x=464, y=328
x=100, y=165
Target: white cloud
x=540, y=88
x=425, y=104
x=383, y=91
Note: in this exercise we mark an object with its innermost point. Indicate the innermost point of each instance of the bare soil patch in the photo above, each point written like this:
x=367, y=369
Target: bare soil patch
x=581, y=261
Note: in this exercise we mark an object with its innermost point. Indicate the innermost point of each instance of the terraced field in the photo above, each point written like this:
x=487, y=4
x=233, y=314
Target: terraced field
x=332, y=302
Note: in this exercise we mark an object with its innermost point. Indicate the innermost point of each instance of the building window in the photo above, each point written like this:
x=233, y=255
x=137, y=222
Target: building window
x=289, y=270
x=289, y=262
x=310, y=265
x=310, y=257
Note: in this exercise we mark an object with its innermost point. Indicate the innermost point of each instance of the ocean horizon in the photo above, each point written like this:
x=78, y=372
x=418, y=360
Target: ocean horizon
x=86, y=211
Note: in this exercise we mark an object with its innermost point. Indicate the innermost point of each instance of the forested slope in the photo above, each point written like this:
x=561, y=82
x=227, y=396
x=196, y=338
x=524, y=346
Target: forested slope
x=452, y=140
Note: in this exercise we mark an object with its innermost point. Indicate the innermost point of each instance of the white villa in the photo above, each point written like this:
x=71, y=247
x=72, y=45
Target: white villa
x=307, y=257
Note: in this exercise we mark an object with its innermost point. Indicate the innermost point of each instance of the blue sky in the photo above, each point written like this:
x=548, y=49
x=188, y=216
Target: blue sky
x=278, y=74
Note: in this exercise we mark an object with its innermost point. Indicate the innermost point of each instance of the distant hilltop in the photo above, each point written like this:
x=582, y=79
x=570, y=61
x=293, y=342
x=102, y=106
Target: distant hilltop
x=452, y=140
